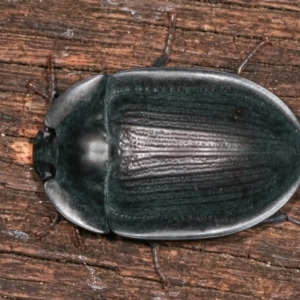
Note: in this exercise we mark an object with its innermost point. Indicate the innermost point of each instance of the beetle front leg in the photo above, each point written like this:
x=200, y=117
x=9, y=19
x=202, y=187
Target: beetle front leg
x=57, y=218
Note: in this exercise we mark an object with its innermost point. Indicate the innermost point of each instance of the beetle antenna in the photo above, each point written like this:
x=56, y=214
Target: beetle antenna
x=162, y=60
x=243, y=64
x=51, y=78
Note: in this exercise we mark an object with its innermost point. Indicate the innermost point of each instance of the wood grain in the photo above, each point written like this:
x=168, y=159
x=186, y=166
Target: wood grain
x=89, y=37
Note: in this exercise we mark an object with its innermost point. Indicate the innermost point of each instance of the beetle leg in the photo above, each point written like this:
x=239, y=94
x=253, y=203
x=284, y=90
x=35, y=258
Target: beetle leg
x=44, y=231
x=51, y=77
x=292, y=220
x=79, y=240
x=162, y=60
x=280, y=217
x=52, y=87
x=154, y=247
x=31, y=84
x=243, y=64
x=276, y=218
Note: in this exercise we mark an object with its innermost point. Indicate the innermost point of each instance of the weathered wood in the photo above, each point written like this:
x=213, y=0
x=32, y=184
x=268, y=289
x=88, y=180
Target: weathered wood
x=91, y=36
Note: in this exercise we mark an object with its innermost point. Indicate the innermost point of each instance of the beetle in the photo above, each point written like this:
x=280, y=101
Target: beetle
x=168, y=154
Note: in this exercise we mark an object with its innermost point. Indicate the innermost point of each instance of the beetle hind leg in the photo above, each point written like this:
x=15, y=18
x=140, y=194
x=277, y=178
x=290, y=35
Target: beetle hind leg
x=163, y=278
x=50, y=94
x=163, y=59
x=154, y=247
x=243, y=64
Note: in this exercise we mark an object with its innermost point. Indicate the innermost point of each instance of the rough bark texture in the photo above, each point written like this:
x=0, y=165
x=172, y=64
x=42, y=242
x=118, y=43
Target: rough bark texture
x=97, y=36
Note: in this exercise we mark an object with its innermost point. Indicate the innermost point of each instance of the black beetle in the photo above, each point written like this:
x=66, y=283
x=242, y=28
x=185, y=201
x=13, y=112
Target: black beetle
x=168, y=154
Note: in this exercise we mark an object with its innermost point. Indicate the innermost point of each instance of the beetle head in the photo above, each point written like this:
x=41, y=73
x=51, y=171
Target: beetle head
x=44, y=154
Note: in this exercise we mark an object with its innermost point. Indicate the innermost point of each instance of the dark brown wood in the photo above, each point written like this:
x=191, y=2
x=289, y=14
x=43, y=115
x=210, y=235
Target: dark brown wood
x=92, y=36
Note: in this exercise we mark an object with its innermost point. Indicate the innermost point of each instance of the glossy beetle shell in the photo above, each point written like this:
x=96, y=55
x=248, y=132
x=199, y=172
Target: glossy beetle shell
x=170, y=154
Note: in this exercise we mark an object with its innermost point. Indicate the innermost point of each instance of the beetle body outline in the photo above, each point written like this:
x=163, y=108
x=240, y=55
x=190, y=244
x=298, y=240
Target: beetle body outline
x=236, y=142
x=116, y=135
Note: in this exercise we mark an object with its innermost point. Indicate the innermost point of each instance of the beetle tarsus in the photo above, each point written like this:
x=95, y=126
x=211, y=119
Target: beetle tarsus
x=243, y=64
x=165, y=282
x=162, y=60
x=31, y=84
x=44, y=231
x=79, y=239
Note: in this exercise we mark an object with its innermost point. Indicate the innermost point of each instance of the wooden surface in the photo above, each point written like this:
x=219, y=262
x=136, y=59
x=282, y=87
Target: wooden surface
x=97, y=36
